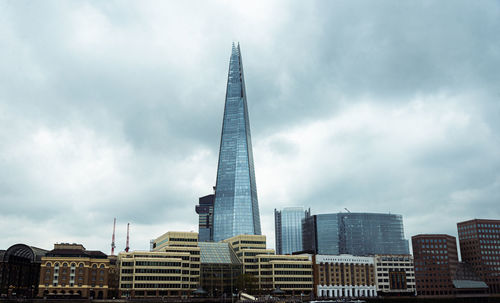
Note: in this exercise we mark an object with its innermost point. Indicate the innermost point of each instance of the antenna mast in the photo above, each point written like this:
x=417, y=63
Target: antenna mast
x=128, y=229
x=113, y=246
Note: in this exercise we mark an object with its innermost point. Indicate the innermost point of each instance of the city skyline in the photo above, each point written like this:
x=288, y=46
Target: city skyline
x=115, y=111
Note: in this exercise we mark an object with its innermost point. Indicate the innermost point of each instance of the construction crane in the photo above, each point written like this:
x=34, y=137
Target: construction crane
x=113, y=246
x=347, y=210
x=127, y=246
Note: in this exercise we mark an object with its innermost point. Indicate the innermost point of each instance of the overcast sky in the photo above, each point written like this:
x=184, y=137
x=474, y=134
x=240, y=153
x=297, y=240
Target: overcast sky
x=114, y=109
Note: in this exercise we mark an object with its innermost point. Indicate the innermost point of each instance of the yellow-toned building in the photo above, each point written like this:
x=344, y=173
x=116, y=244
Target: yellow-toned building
x=172, y=269
x=291, y=273
x=71, y=270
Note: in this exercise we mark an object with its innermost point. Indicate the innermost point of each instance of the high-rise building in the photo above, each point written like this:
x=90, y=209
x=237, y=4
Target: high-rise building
x=480, y=247
x=435, y=259
x=288, y=229
x=205, y=210
x=358, y=234
x=236, y=208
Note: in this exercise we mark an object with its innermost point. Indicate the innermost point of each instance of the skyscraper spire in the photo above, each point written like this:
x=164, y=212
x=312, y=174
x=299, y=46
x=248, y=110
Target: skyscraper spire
x=236, y=207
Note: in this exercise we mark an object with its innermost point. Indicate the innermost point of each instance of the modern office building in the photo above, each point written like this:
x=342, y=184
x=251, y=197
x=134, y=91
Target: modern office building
x=71, y=270
x=20, y=270
x=337, y=276
x=480, y=247
x=395, y=275
x=435, y=259
x=359, y=234
x=288, y=229
x=205, y=210
x=220, y=269
x=236, y=208
x=292, y=274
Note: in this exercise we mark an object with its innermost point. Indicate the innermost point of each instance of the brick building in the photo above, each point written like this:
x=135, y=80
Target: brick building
x=436, y=259
x=70, y=269
x=480, y=247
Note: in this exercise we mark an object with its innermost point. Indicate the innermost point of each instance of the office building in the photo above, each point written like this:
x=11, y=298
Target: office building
x=72, y=270
x=288, y=229
x=395, y=275
x=20, y=270
x=220, y=269
x=480, y=247
x=359, y=234
x=435, y=259
x=236, y=208
x=337, y=276
x=205, y=210
x=290, y=273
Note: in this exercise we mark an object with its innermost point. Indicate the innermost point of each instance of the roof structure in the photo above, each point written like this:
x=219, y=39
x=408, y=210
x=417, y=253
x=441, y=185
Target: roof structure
x=469, y=284
x=31, y=253
x=217, y=253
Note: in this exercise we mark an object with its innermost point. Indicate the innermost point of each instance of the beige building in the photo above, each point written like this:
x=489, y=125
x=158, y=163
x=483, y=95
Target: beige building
x=395, y=275
x=344, y=276
x=71, y=270
x=292, y=274
x=171, y=270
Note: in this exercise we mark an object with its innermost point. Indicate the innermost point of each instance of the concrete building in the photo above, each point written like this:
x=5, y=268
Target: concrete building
x=436, y=259
x=344, y=276
x=70, y=269
x=395, y=275
x=290, y=273
x=480, y=247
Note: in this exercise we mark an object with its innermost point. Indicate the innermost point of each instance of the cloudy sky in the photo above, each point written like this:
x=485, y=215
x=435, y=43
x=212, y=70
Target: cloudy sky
x=114, y=109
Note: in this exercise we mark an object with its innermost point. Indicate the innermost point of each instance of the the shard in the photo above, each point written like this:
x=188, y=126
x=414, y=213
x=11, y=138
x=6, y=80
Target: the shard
x=236, y=208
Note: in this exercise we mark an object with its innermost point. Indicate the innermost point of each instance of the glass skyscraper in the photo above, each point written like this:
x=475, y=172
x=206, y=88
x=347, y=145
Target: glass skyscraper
x=358, y=234
x=236, y=208
x=288, y=229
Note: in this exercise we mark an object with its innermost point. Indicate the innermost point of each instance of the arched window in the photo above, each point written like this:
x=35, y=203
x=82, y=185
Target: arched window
x=94, y=266
x=101, y=266
x=56, y=264
x=48, y=264
x=65, y=264
x=73, y=264
x=80, y=265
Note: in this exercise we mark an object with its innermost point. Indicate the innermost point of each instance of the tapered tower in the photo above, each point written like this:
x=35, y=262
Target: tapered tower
x=236, y=207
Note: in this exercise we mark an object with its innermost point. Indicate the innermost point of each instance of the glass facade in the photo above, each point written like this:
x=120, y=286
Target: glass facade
x=288, y=229
x=205, y=211
x=358, y=234
x=368, y=233
x=236, y=209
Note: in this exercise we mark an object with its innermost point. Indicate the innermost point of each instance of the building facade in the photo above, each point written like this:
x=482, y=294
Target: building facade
x=205, y=211
x=290, y=273
x=395, y=275
x=220, y=269
x=71, y=270
x=480, y=247
x=344, y=276
x=436, y=259
x=359, y=234
x=236, y=208
x=20, y=270
x=288, y=229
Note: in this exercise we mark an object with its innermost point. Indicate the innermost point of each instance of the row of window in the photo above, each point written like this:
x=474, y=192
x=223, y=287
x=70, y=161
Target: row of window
x=56, y=264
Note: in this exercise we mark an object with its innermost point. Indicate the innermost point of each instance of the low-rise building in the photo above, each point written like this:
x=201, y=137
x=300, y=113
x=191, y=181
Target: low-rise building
x=70, y=269
x=344, y=276
x=395, y=275
x=290, y=273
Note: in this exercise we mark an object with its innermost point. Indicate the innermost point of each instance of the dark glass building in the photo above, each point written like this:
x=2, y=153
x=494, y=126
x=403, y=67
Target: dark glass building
x=358, y=234
x=205, y=210
x=288, y=229
x=236, y=208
